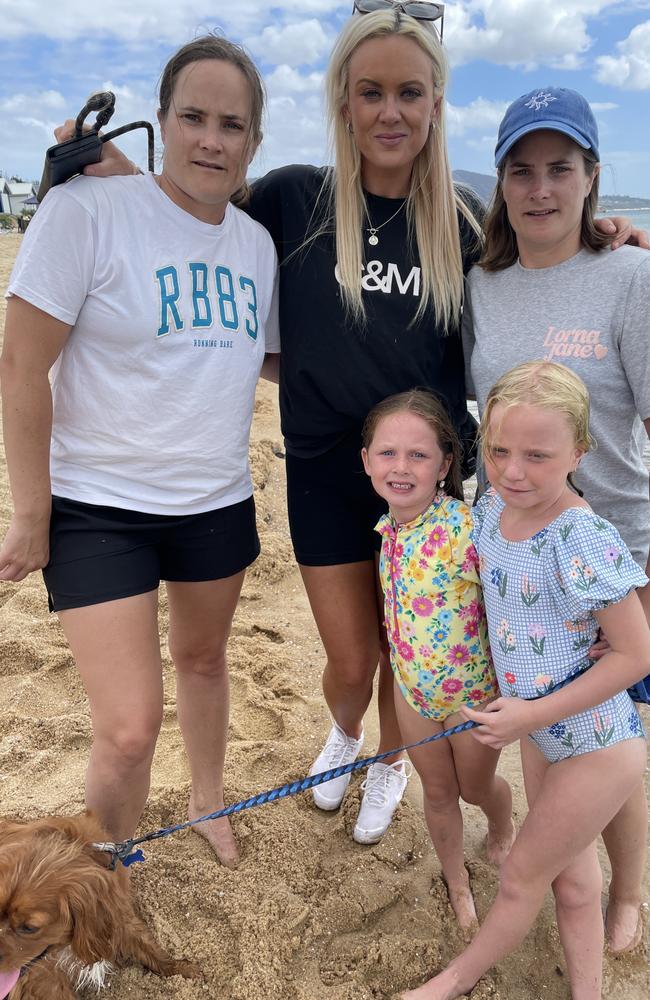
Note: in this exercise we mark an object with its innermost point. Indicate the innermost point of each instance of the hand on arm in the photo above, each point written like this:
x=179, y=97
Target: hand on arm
x=113, y=161
x=621, y=227
x=502, y=722
x=33, y=341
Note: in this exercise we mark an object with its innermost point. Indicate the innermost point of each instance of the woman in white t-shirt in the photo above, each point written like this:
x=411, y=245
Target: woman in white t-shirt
x=152, y=302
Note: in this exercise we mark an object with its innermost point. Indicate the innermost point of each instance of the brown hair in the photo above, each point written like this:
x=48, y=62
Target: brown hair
x=217, y=47
x=429, y=407
x=500, y=246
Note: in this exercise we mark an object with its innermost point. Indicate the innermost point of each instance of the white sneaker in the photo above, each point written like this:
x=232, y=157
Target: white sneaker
x=339, y=749
x=383, y=790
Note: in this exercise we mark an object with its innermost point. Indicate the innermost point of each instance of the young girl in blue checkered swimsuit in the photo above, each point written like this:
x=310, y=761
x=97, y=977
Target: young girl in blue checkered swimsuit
x=553, y=575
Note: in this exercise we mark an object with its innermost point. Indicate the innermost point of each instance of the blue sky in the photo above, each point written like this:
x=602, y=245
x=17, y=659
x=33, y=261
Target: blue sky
x=53, y=56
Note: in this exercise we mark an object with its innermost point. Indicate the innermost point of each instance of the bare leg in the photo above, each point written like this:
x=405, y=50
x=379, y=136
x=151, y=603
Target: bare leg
x=389, y=731
x=625, y=839
x=577, y=897
x=344, y=605
x=200, y=616
x=435, y=766
x=117, y=651
x=481, y=786
x=559, y=827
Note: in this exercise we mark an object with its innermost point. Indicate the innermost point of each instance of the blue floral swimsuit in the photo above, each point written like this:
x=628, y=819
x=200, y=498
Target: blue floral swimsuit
x=540, y=595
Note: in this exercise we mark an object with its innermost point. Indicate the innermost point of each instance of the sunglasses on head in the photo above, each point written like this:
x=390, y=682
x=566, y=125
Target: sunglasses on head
x=419, y=9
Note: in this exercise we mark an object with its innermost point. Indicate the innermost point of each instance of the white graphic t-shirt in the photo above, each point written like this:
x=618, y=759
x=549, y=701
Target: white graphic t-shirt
x=153, y=393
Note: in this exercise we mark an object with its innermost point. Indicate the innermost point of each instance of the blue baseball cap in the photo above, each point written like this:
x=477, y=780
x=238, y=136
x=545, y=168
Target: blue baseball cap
x=553, y=108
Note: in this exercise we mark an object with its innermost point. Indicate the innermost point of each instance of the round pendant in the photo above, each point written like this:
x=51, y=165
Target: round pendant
x=373, y=240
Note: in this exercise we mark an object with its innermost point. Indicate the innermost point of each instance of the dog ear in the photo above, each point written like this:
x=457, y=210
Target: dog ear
x=91, y=908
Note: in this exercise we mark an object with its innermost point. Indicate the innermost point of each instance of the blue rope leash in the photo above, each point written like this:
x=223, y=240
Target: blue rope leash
x=125, y=852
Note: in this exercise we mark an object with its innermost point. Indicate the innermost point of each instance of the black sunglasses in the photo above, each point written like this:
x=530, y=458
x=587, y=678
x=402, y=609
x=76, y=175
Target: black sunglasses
x=419, y=9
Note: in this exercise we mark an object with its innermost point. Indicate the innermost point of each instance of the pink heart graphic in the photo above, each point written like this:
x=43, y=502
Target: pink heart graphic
x=600, y=351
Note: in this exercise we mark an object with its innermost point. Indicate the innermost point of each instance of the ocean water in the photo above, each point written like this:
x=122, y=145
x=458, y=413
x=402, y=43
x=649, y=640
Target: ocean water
x=639, y=216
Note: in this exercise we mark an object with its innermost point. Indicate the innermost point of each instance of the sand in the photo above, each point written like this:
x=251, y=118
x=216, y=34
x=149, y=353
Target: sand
x=309, y=914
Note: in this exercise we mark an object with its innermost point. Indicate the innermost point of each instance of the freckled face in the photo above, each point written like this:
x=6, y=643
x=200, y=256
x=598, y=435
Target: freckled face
x=206, y=136
x=391, y=105
x=531, y=452
x=405, y=463
x=544, y=186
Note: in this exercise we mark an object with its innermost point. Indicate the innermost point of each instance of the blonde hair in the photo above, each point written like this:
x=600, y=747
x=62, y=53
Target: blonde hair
x=546, y=384
x=432, y=203
x=426, y=405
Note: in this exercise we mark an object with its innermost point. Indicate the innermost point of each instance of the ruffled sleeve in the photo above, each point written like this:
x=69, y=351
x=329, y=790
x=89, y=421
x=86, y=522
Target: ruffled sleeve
x=589, y=564
x=480, y=511
x=464, y=558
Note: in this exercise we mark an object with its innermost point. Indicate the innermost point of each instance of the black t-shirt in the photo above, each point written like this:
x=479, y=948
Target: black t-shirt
x=333, y=371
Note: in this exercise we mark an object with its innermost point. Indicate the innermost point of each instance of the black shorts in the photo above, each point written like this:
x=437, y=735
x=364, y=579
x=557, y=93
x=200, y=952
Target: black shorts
x=332, y=506
x=102, y=554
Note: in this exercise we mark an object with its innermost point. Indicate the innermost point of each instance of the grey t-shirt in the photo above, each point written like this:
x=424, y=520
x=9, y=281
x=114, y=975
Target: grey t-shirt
x=592, y=314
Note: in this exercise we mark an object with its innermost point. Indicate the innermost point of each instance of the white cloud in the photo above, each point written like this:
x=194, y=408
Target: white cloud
x=296, y=44
x=603, y=106
x=30, y=102
x=480, y=114
x=285, y=80
x=630, y=69
x=521, y=32
x=149, y=18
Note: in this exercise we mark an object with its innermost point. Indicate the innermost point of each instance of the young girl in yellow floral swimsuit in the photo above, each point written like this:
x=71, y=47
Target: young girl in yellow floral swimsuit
x=436, y=626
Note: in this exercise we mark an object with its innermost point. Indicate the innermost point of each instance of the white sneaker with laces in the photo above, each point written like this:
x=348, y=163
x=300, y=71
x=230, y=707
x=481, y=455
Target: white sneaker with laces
x=339, y=750
x=383, y=790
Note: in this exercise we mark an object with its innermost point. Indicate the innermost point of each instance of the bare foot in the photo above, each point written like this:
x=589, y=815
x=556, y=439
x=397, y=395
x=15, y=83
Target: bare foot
x=499, y=843
x=442, y=987
x=218, y=834
x=462, y=903
x=623, y=927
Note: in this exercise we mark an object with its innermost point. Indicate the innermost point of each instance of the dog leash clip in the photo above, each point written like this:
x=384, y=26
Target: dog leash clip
x=131, y=859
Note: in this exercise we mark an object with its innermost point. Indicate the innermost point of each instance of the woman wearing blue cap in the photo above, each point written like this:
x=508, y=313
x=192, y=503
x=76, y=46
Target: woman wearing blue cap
x=544, y=289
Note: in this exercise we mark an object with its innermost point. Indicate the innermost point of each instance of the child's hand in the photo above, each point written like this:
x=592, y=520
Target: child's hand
x=600, y=647
x=501, y=722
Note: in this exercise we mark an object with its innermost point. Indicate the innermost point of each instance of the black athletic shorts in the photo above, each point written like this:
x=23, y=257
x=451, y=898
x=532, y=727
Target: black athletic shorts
x=102, y=554
x=332, y=506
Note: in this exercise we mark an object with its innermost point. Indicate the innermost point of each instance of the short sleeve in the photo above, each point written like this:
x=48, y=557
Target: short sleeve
x=635, y=337
x=480, y=511
x=463, y=551
x=55, y=266
x=589, y=564
x=272, y=323
x=469, y=339
x=265, y=205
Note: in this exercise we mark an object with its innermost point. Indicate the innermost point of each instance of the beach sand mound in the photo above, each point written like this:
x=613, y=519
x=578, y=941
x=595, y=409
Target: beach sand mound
x=309, y=914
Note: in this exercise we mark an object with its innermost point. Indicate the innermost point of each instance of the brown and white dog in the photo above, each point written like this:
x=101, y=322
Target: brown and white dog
x=63, y=910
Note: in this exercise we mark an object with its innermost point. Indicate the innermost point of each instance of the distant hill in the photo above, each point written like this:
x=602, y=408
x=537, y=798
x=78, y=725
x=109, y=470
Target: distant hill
x=483, y=184
x=608, y=202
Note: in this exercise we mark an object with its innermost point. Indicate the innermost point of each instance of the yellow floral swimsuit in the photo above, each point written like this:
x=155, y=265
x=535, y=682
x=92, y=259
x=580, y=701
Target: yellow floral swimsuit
x=434, y=611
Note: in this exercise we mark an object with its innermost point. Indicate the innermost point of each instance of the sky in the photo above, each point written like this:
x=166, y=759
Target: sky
x=52, y=55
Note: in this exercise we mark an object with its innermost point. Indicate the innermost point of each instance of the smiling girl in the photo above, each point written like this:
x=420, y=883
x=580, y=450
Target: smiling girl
x=553, y=573
x=435, y=620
